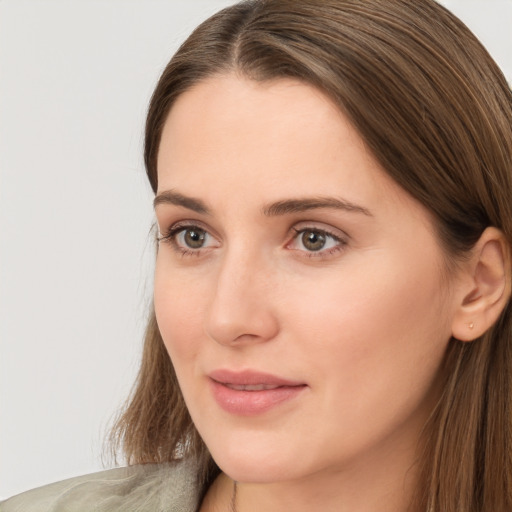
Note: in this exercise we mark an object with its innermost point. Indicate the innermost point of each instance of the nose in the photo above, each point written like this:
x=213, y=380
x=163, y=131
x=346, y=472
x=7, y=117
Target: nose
x=241, y=310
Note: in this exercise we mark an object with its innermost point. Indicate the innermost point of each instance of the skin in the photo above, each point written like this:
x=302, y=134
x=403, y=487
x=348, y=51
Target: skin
x=364, y=322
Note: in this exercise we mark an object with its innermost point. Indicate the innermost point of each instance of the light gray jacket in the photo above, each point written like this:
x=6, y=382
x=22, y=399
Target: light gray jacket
x=168, y=487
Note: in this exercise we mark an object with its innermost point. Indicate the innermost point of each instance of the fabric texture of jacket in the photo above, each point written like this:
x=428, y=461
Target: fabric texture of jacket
x=170, y=487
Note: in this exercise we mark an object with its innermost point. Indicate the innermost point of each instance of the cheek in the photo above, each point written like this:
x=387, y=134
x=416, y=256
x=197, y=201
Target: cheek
x=180, y=305
x=379, y=331
x=378, y=296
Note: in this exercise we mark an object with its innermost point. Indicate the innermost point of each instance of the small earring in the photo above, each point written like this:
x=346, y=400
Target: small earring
x=471, y=325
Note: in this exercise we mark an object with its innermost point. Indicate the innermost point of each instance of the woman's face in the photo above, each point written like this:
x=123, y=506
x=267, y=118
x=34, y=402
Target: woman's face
x=300, y=292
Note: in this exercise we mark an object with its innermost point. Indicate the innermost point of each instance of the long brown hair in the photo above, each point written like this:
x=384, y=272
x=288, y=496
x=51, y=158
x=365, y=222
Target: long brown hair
x=436, y=112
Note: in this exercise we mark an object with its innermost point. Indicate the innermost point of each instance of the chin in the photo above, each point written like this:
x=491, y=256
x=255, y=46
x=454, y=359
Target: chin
x=255, y=472
x=253, y=463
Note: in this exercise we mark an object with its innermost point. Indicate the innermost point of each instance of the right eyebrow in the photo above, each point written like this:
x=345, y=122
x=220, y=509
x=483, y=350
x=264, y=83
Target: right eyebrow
x=177, y=199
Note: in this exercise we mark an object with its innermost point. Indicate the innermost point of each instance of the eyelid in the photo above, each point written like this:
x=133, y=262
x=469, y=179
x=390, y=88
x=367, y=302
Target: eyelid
x=321, y=227
x=183, y=224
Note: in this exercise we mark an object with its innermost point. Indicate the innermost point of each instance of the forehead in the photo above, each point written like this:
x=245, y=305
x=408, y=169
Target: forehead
x=245, y=108
x=264, y=132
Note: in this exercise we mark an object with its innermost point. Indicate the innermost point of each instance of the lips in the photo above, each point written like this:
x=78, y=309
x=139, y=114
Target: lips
x=251, y=387
x=249, y=392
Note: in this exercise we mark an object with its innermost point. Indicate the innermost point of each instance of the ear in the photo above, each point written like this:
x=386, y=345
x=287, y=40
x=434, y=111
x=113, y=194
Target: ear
x=486, y=286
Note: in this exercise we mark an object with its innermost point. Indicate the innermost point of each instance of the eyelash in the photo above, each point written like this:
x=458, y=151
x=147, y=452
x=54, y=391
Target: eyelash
x=171, y=234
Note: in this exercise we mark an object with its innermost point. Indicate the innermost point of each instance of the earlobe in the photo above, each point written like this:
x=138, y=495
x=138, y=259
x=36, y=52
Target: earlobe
x=487, y=288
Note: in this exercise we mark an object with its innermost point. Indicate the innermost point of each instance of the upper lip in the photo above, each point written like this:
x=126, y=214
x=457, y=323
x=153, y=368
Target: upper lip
x=250, y=378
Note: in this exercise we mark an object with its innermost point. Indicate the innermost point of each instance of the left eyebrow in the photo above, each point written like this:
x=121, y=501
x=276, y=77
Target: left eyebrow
x=302, y=205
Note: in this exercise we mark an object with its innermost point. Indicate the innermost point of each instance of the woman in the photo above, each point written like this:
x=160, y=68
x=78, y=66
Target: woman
x=333, y=185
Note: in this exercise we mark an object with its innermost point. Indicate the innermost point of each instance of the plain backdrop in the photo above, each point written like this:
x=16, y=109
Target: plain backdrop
x=75, y=213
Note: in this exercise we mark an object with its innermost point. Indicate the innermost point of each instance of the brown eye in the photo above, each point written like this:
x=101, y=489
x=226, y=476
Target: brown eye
x=189, y=239
x=313, y=240
x=194, y=238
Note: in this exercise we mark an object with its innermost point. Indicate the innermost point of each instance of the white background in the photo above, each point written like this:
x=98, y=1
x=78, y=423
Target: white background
x=75, y=212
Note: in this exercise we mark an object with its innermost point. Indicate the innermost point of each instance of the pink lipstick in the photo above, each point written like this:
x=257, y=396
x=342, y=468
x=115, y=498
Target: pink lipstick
x=249, y=392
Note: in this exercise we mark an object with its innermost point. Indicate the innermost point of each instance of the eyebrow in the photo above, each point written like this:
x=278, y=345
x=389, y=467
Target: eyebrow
x=278, y=208
x=177, y=199
x=301, y=205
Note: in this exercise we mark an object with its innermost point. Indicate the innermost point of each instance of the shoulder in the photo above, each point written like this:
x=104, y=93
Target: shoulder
x=170, y=487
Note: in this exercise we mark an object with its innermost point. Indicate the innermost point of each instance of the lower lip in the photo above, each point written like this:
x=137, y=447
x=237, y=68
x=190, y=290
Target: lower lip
x=250, y=403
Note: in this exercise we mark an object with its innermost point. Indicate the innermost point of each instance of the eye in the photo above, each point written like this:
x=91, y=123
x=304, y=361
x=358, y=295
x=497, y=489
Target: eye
x=188, y=238
x=314, y=240
x=193, y=237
